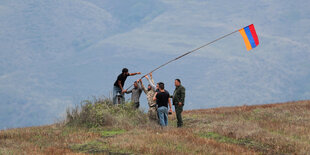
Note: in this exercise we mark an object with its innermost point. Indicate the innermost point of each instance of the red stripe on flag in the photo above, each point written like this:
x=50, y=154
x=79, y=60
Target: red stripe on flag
x=253, y=32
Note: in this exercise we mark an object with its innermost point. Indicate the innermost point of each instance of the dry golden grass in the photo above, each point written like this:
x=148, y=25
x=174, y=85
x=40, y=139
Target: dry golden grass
x=261, y=129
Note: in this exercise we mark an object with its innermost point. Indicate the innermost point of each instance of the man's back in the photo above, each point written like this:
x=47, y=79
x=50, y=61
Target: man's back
x=162, y=98
x=121, y=77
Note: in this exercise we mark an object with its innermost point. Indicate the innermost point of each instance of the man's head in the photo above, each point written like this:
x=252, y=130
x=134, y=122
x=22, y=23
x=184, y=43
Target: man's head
x=125, y=71
x=177, y=82
x=149, y=87
x=161, y=86
x=135, y=84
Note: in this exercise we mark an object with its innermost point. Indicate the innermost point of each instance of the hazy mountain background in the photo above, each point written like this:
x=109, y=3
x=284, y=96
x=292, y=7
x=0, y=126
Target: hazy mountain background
x=56, y=53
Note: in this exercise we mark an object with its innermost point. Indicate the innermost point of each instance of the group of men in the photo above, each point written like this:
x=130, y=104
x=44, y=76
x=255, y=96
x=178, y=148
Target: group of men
x=158, y=98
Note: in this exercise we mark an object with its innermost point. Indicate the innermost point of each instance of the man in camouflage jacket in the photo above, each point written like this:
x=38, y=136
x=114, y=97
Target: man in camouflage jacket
x=150, y=92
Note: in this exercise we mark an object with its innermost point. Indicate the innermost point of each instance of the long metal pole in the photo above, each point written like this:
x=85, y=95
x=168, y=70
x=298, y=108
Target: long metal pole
x=189, y=52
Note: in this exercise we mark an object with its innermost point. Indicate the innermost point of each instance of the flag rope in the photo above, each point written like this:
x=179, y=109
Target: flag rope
x=189, y=52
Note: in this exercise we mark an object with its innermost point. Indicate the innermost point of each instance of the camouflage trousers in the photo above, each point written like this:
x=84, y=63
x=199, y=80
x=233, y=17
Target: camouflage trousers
x=153, y=113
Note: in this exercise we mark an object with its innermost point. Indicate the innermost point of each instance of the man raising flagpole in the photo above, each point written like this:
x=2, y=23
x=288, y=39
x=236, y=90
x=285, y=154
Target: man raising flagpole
x=118, y=88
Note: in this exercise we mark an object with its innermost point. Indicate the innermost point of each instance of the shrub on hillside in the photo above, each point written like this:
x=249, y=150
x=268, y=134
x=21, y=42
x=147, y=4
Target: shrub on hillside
x=102, y=112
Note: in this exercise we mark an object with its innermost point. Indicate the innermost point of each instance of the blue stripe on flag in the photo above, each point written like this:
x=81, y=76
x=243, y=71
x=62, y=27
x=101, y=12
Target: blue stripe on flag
x=250, y=37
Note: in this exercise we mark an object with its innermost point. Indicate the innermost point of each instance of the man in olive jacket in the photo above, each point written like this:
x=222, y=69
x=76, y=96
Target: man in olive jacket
x=178, y=100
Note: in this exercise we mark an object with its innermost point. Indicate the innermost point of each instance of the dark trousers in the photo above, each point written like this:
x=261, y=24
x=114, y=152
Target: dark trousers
x=178, y=112
x=137, y=105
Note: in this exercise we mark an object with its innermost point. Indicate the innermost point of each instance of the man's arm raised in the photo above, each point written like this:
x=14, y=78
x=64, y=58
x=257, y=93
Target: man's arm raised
x=139, y=83
x=151, y=75
x=143, y=88
x=131, y=74
x=151, y=83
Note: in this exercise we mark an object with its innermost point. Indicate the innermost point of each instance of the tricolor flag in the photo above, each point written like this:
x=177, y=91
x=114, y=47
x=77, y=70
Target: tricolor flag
x=249, y=36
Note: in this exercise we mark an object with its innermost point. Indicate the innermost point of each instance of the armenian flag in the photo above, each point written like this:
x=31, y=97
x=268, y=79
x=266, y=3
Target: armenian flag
x=249, y=36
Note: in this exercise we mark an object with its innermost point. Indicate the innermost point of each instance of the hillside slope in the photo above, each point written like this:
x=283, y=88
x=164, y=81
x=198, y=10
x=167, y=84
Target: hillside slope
x=262, y=129
x=54, y=53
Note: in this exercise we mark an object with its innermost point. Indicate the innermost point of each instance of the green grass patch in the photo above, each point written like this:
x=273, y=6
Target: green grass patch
x=218, y=137
x=257, y=110
x=110, y=133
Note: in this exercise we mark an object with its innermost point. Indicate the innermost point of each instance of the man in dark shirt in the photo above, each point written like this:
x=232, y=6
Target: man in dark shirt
x=162, y=99
x=178, y=101
x=119, y=84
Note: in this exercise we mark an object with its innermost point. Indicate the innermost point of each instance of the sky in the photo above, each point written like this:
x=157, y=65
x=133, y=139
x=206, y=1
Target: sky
x=55, y=54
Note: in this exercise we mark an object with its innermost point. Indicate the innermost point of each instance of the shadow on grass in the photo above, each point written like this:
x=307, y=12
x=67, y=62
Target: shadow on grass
x=95, y=147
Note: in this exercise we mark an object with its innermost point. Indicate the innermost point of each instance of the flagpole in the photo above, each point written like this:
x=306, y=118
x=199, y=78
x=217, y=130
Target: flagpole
x=189, y=52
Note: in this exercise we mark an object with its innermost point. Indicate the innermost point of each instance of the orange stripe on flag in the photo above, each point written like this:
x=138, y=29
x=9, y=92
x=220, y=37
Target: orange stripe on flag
x=246, y=40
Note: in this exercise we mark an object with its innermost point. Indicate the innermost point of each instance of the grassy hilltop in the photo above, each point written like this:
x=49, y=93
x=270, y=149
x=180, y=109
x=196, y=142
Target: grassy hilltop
x=98, y=127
